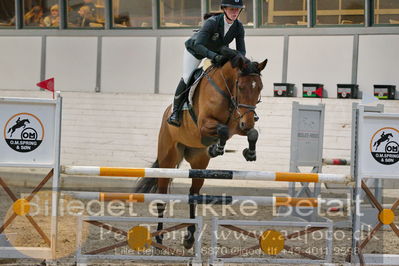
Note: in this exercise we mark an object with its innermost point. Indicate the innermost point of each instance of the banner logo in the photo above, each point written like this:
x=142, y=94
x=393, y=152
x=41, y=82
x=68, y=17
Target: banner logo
x=24, y=132
x=384, y=145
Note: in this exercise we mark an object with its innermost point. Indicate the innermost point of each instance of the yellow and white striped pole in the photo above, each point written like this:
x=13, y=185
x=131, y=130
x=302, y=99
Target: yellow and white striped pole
x=207, y=174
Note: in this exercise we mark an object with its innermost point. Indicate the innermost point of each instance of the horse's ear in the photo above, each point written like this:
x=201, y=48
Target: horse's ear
x=262, y=65
x=228, y=52
x=240, y=62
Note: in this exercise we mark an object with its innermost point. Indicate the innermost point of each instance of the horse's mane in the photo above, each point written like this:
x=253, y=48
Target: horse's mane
x=236, y=58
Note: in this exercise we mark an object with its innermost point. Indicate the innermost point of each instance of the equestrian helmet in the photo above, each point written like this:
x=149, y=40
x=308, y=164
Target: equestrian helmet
x=232, y=3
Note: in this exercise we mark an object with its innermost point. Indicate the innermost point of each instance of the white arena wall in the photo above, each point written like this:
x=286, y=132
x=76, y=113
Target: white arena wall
x=378, y=60
x=20, y=62
x=126, y=62
x=320, y=59
x=72, y=61
x=171, y=63
x=152, y=64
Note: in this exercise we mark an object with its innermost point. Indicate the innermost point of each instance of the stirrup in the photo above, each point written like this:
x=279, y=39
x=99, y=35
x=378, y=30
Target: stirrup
x=173, y=122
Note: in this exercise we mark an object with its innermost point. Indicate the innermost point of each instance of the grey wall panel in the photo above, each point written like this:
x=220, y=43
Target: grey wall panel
x=171, y=63
x=320, y=59
x=72, y=61
x=128, y=64
x=272, y=48
x=20, y=62
x=378, y=61
x=127, y=60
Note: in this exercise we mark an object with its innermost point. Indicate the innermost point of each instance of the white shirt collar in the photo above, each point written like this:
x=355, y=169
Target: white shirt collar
x=226, y=25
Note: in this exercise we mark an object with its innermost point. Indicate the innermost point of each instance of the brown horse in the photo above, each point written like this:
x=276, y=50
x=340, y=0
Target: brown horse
x=224, y=104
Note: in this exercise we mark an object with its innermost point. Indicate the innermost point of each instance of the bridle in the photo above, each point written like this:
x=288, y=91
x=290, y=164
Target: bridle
x=234, y=105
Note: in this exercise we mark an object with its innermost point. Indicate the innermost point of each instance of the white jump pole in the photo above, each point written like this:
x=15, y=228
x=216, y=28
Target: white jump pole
x=206, y=199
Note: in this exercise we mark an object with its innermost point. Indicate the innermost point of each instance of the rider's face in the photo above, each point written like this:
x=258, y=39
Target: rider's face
x=232, y=12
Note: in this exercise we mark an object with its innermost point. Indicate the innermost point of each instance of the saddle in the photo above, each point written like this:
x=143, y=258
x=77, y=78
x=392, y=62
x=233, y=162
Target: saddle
x=194, y=79
x=195, y=76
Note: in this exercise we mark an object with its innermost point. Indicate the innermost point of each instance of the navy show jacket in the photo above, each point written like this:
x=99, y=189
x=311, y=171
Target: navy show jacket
x=210, y=38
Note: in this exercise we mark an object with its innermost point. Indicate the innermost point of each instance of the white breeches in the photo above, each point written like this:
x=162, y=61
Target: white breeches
x=190, y=63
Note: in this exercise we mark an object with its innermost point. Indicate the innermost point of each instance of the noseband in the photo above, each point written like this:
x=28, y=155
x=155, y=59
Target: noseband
x=233, y=99
x=236, y=104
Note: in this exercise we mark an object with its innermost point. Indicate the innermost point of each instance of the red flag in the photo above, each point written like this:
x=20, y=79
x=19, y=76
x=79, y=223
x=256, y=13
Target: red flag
x=47, y=85
x=319, y=92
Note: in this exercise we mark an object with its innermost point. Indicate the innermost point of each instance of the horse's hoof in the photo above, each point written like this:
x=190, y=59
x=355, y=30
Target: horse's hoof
x=219, y=151
x=188, y=243
x=249, y=155
x=159, y=240
x=214, y=151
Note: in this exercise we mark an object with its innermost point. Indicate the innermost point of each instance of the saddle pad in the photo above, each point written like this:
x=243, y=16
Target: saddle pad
x=189, y=101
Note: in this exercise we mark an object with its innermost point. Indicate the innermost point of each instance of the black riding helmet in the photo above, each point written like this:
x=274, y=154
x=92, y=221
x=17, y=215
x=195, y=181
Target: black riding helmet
x=232, y=3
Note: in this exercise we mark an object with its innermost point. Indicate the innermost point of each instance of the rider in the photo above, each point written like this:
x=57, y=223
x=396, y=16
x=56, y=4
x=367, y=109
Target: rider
x=217, y=31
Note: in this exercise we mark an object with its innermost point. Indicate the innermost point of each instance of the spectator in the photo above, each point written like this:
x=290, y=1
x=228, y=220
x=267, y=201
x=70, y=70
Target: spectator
x=11, y=22
x=52, y=20
x=74, y=18
x=34, y=17
x=122, y=20
x=91, y=5
x=85, y=17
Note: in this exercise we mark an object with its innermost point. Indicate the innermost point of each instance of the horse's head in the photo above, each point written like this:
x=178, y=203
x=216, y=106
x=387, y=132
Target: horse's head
x=247, y=89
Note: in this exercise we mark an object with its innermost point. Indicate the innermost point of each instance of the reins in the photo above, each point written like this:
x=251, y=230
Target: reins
x=234, y=105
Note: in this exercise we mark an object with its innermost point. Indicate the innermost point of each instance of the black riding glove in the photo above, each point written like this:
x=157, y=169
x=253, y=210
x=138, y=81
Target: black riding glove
x=219, y=60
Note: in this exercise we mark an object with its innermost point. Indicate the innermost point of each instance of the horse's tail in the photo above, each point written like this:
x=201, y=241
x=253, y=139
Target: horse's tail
x=148, y=185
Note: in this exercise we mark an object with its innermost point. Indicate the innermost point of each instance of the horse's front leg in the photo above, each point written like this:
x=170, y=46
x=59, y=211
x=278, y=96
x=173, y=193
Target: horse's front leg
x=250, y=152
x=222, y=132
x=212, y=131
x=223, y=135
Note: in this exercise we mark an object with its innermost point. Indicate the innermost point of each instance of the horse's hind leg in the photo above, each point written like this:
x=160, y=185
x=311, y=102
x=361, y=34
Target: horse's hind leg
x=169, y=156
x=198, y=159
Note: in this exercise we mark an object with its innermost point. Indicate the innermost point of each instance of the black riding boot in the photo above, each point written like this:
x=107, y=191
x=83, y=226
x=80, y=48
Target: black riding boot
x=174, y=118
